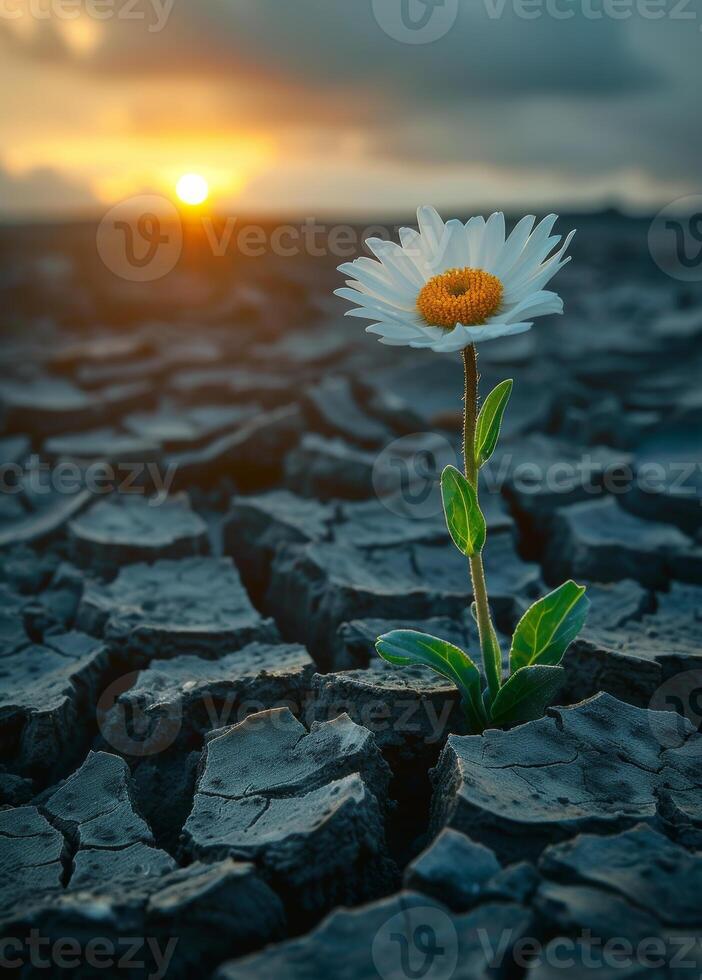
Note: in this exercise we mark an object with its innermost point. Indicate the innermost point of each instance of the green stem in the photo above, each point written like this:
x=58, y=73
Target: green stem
x=489, y=646
x=470, y=412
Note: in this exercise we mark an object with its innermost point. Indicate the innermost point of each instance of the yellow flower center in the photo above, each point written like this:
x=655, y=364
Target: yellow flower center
x=467, y=296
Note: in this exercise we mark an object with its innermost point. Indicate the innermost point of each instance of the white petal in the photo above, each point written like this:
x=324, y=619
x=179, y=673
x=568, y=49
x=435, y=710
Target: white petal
x=406, y=300
x=390, y=342
x=431, y=227
x=514, y=246
x=493, y=241
x=399, y=262
x=372, y=271
x=491, y=331
x=549, y=269
x=454, y=252
x=540, y=303
x=535, y=250
x=419, y=250
x=396, y=331
x=408, y=238
x=452, y=341
x=374, y=306
x=388, y=334
x=379, y=287
x=518, y=289
x=475, y=230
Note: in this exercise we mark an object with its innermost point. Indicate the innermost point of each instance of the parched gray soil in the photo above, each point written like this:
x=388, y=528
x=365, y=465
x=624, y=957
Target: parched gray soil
x=199, y=746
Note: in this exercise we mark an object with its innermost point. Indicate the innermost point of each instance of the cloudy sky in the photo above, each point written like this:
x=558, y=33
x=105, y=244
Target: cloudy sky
x=350, y=107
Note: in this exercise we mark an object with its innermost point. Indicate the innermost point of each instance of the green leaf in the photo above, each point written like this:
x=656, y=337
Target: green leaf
x=464, y=518
x=547, y=628
x=487, y=701
x=487, y=430
x=492, y=658
x=406, y=647
x=526, y=695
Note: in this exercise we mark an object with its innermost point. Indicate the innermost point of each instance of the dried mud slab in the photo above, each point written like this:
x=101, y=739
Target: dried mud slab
x=381, y=940
x=636, y=891
x=600, y=766
x=181, y=428
x=128, y=529
x=185, y=919
x=454, y=870
x=329, y=469
x=12, y=632
x=47, y=702
x=257, y=526
x=634, y=659
x=331, y=408
x=194, y=606
x=602, y=542
x=372, y=524
x=354, y=643
x=32, y=853
x=252, y=455
x=316, y=587
x=642, y=866
x=307, y=807
x=544, y=475
x=110, y=445
x=409, y=711
x=179, y=700
x=43, y=518
x=94, y=807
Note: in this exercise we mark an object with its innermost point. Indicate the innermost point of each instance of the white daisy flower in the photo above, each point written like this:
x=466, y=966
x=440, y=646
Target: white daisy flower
x=452, y=284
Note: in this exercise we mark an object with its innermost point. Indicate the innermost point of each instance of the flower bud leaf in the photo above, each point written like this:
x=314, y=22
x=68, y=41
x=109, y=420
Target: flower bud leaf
x=526, y=695
x=464, y=518
x=547, y=628
x=489, y=423
x=407, y=647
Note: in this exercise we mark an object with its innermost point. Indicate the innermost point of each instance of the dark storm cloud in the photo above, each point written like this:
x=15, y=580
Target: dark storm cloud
x=490, y=51
x=587, y=95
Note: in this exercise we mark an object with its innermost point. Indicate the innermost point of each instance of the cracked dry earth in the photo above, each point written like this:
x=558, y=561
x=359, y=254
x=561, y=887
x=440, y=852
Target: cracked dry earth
x=198, y=743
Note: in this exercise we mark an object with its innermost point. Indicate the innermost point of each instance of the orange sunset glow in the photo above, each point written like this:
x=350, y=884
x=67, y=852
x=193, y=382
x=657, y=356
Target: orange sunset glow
x=343, y=120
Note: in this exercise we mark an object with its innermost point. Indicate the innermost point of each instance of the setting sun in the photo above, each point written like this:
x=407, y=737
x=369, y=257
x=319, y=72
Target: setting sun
x=192, y=189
